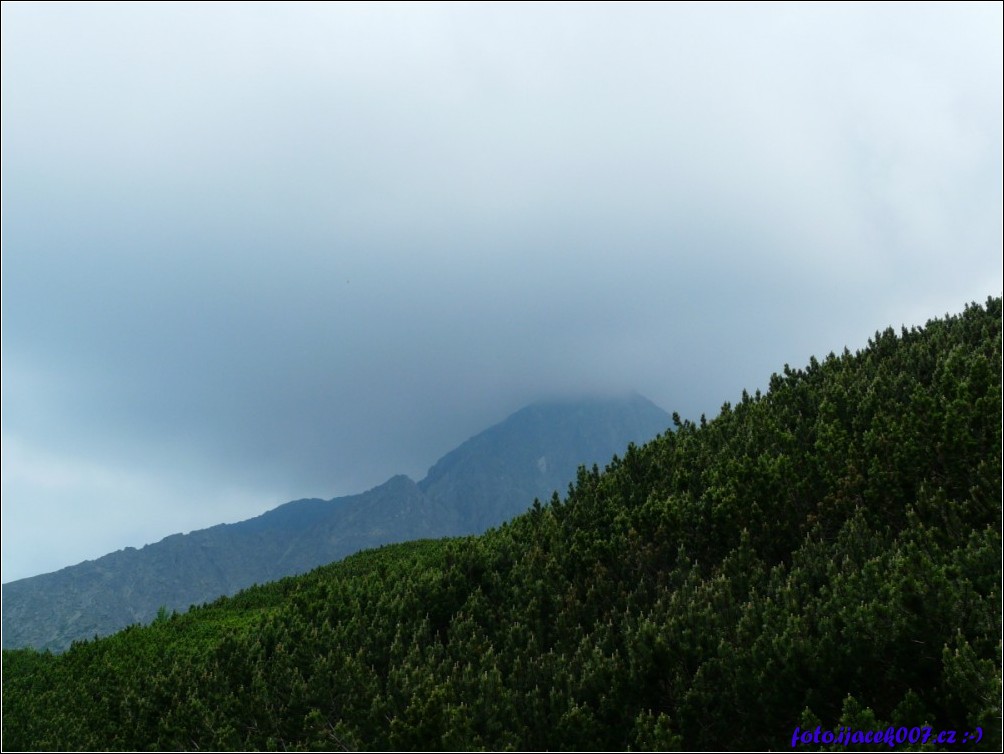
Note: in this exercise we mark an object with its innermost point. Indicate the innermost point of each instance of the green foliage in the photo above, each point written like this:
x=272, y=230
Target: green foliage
x=825, y=554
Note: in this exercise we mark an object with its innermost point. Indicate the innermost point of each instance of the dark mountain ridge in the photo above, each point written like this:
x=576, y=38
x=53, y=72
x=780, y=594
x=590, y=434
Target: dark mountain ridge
x=483, y=482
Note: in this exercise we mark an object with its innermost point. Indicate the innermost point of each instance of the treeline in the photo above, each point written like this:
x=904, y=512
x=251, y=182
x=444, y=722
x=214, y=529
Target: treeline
x=827, y=553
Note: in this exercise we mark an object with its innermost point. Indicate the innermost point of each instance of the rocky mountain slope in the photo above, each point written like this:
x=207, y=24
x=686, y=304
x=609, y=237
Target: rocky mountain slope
x=485, y=481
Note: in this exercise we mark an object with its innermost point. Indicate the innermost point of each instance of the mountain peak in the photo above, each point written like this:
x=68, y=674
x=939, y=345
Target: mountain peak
x=537, y=450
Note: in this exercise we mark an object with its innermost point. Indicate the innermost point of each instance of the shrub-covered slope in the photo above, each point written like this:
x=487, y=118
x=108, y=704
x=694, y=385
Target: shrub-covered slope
x=828, y=553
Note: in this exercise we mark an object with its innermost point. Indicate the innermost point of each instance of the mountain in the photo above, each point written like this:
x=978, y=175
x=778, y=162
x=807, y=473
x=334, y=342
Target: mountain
x=534, y=452
x=487, y=480
x=818, y=563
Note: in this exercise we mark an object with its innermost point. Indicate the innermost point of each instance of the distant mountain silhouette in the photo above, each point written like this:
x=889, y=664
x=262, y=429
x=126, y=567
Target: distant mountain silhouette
x=485, y=481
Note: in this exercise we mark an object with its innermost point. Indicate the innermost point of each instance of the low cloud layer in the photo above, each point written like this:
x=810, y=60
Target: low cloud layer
x=258, y=252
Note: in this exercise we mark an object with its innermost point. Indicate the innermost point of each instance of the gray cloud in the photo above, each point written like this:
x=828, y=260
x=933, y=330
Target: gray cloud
x=259, y=252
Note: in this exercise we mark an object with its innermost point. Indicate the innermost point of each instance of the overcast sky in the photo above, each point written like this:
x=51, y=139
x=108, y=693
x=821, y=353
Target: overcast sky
x=259, y=252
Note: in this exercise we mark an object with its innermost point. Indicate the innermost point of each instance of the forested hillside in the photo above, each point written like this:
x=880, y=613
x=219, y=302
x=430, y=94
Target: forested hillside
x=827, y=553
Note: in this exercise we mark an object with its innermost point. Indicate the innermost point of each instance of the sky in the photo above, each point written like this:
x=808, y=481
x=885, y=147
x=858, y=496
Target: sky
x=260, y=252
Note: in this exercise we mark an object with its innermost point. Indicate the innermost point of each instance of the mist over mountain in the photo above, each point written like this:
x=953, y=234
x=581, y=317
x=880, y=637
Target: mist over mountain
x=483, y=482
